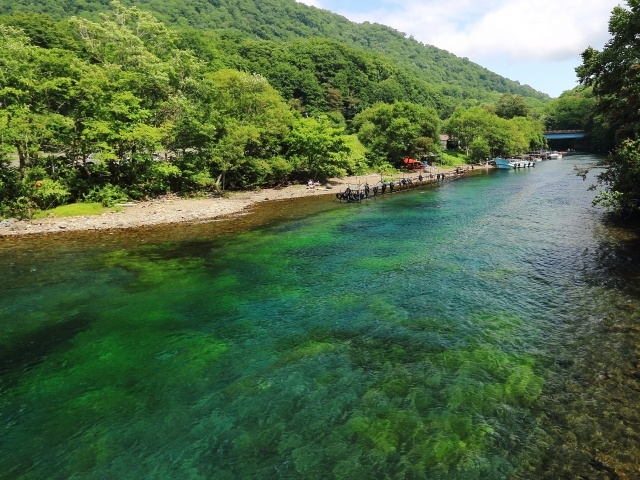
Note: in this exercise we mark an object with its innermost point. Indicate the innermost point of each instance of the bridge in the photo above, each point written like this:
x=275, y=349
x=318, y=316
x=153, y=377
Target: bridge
x=564, y=134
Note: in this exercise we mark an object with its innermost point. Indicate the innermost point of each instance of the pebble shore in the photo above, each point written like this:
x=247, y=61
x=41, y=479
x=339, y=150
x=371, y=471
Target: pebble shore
x=173, y=209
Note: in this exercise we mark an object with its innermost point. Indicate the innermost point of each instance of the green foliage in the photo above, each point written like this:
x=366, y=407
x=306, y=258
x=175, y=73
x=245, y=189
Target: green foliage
x=129, y=114
x=479, y=127
x=49, y=193
x=287, y=20
x=113, y=104
x=319, y=148
x=107, y=195
x=319, y=75
x=392, y=132
x=576, y=110
x=621, y=177
x=43, y=31
x=356, y=157
x=11, y=187
x=510, y=106
x=613, y=201
x=571, y=111
x=613, y=72
x=250, y=129
x=479, y=150
x=452, y=158
x=613, y=75
x=532, y=131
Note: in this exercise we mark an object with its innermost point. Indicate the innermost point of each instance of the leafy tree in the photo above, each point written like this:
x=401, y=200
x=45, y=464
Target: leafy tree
x=459, y=79
x=479, y=149
x=43, y=31
x=252, y=125
x=319, y=148
x=569, y=112
x=476, y=125
x=613, y=74
x=466, y=125
x=532, y=131
x=510, y=106
x=392, y=132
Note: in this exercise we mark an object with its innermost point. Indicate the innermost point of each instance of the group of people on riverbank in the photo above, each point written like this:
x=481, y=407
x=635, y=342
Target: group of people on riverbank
x=360, y=193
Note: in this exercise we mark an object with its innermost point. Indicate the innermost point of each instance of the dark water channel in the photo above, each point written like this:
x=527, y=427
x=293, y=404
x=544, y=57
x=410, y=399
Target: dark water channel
x=486, y=328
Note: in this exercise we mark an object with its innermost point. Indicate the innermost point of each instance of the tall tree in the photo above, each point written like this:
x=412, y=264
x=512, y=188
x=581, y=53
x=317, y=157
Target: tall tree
x=319, y=147
x=392, y=132
x=510, y=106
x=503, y=137
x=613, y=74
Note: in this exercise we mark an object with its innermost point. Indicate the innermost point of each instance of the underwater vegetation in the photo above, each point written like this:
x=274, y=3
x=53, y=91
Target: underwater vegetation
x=175, y=356
x=388, y=340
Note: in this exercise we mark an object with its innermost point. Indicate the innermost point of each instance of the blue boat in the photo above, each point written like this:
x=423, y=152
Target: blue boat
x=504, y=163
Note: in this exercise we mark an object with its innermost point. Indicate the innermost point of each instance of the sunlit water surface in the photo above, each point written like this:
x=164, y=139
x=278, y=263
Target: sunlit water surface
x=485, y=328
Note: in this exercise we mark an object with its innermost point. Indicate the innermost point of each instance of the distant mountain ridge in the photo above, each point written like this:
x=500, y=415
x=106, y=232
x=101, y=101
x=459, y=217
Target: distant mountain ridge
x=286, y=20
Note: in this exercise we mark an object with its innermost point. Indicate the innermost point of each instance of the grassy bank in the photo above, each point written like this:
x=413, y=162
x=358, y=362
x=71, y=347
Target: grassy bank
x=452, y=158
x=72, y=210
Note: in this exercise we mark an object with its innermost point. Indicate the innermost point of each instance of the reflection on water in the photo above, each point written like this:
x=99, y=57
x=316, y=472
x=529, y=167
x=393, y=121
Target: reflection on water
x=482, y=329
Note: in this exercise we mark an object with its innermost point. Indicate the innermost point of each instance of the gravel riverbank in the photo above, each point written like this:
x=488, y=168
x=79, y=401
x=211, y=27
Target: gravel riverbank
x=174, y=209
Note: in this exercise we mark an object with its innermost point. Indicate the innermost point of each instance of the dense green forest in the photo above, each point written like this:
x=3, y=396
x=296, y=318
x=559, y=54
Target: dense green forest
x=463, y=82
x=127, y=107
x=576, y=109
x=317, y=75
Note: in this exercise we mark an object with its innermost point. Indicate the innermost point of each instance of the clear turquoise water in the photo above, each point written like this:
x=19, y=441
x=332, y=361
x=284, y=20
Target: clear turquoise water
x=485, y=328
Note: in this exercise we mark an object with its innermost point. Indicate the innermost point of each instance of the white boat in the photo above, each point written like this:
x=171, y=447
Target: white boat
x=509, y=163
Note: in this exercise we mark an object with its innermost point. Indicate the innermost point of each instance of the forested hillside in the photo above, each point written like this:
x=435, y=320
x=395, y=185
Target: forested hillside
x=286, y=20
x=318, y=75
x=128, y=107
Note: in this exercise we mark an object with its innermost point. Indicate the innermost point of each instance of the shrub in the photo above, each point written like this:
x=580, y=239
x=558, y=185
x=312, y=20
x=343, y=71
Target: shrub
x=108, y=195
x=48, y=193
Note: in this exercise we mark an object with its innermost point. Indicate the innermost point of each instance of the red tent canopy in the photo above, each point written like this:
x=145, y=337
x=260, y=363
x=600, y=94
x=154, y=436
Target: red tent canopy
x=412, y=163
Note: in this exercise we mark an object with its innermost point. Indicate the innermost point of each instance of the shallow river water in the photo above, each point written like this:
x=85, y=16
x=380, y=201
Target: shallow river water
x=485, y=328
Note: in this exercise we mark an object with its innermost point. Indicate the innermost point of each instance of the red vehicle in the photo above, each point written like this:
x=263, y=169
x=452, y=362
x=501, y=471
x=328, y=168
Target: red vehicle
x=412, y=164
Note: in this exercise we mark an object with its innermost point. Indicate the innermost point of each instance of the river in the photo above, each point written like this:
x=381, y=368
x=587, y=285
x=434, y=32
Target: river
x=484, y=328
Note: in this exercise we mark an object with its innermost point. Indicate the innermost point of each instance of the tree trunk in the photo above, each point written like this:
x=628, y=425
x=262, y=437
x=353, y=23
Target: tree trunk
x=21, y=157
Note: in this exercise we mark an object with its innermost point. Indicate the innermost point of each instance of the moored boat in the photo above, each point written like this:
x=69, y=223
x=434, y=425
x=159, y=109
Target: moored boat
x=508, y=163
x=503, y=163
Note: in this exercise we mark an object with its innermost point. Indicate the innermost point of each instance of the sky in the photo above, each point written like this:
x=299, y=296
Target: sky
x=537, y=42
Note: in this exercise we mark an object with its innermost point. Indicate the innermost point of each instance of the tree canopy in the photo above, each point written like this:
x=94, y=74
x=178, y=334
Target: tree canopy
x=463, y=81
x=510, y=106
x=124, y=106
x=571, y=111
x=483, y=133
x=392, y=132
x=613, y=75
